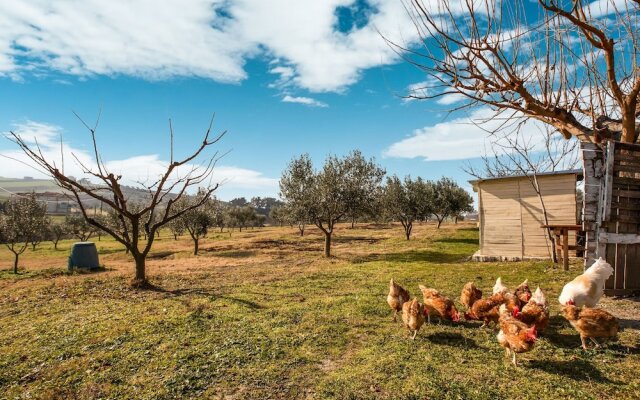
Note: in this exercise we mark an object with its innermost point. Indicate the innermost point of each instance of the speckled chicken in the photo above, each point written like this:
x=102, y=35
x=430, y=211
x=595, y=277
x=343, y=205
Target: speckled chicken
x=515, y=336
x=396, y=298
x=438, y=305
x=470, y=293
x=591, y=323
x=413, y=316
x=535, y=312
x=522, y=292
x=487, y=310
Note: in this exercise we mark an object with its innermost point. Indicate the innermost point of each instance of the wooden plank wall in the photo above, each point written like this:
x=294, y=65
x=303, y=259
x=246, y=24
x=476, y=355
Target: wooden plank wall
x=500, y=218
x=511, y=214
x=559, y=194
x=621, y=216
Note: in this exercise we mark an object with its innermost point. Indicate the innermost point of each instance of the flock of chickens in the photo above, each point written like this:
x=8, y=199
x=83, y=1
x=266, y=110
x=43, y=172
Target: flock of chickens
x=520, y=315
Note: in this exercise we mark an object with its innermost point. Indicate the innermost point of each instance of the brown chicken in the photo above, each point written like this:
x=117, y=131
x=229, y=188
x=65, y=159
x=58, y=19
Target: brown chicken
x=470, y=293
x=522, y=292
x=487, y=310
x=396, y=298
x=515, y=336
x=438, y=305
x=413, y=316
x=535, y=312
x=591, y=323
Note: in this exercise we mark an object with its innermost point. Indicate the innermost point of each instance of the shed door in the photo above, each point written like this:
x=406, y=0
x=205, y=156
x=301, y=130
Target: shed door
x=500, y=218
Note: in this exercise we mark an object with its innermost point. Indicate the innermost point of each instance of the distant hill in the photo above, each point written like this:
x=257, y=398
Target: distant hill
x=13, y=186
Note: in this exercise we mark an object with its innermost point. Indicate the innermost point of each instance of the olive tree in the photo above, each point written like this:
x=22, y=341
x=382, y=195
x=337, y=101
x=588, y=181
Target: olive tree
x=450, y=200
x=196, y=221
x=23, y=218
x=408, y=201
x=363, y=182
x=79, y=227
x=57, y=231
x=327, y=195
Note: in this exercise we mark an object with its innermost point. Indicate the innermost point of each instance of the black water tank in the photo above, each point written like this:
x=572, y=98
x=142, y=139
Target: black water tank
x=84, y=255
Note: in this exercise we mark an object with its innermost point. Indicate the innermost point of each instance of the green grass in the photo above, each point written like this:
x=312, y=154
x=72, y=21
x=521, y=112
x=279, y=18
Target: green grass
x=263, y=315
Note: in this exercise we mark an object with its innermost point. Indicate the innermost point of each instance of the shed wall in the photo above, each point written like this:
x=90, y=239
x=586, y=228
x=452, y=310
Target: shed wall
x=511, y=214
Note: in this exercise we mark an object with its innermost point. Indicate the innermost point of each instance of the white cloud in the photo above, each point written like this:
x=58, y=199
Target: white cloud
x=304, y=100
x=601, y=8
x=205, y=38
x=457, y=139
x=142, y=168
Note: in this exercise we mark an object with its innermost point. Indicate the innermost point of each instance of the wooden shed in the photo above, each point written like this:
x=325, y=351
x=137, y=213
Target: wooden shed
x=510, y=214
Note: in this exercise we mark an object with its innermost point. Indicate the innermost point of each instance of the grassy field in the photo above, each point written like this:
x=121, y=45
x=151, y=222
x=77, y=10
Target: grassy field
x=262, y=315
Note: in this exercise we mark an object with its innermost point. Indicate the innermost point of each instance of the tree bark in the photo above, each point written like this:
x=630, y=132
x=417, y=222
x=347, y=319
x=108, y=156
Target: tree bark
x=407, y=230
x=439, y=222
x=15, y=263
x=141, y=277
x=195, y=246
x=301, y=229
x=55, y=245
x=327, y=244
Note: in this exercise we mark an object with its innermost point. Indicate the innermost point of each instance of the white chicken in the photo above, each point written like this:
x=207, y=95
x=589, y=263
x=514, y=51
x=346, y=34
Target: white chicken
x=499, y=287
x=588, y=288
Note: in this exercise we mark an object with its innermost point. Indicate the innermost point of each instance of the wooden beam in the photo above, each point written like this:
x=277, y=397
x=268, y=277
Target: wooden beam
x=619, y=238
x=608, y=181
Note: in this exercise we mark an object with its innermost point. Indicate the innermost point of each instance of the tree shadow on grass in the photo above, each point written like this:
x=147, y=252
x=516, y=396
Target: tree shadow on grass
x=579, y=370
x=458, y=240
x=437, y=257
x=212, y=295
x=453, y=339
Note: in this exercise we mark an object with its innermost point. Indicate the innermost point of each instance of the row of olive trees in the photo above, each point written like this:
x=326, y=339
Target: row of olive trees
x=352, y=187
x=409, y=200
x=213, y=214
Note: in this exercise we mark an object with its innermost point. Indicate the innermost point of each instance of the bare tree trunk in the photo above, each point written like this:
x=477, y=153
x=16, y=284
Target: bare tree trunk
x=55, y=245
x=407, y=230
x=327, y=244
x=301, y=229
x=353, y=222
x=15, y=263
x=439, y=222
x=141, y=277
x=175, y=237
x=195, y=246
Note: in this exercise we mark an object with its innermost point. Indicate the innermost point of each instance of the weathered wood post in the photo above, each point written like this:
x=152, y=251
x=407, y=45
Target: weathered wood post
x=593, y=168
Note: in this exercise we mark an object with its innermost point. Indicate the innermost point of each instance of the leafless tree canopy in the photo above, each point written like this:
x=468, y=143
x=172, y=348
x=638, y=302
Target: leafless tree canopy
x=572, y=64
x=132, y=219
x=519, y=154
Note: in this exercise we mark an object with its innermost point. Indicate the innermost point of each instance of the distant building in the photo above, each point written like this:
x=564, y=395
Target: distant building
x=28, y=178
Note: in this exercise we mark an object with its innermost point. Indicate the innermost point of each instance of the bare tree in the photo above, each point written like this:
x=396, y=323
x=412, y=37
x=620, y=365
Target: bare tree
x=574, y=67
x=163, y=194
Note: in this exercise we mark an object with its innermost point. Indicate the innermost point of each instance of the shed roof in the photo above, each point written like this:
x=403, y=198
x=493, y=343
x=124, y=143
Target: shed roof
x=577, y=172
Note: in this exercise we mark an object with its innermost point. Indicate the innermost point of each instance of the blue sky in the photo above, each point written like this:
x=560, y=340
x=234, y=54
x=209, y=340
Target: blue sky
x=283, y=79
